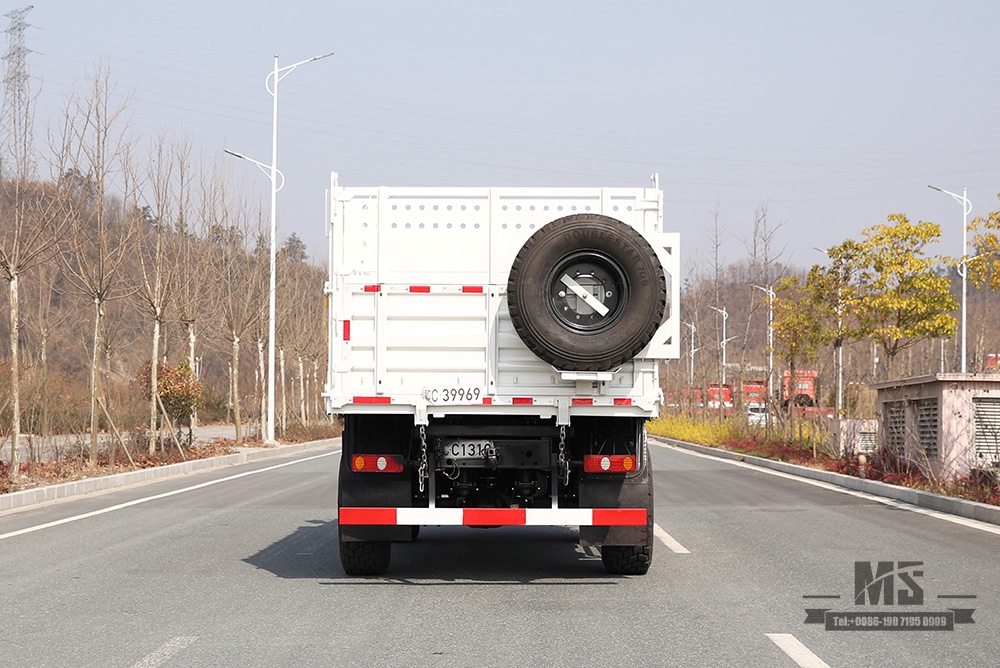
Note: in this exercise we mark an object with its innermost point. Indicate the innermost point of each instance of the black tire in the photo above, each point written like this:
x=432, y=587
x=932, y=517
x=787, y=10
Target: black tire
x=627, y=559
x=600, y=256
x=366, y=557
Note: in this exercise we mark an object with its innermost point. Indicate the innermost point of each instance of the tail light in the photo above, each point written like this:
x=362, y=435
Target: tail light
x=609, y=463
x=377, y=463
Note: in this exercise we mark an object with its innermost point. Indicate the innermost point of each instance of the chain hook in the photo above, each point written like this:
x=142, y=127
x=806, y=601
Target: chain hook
x=422, y=474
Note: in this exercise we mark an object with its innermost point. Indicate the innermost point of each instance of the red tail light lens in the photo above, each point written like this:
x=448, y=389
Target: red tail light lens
x=377, y=463
x=609, y=463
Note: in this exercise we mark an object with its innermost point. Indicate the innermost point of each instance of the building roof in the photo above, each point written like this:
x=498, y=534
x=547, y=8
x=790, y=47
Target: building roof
x=938, y=378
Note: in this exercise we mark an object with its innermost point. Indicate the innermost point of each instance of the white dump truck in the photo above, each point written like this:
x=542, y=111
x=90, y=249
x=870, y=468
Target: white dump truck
x=494, y=353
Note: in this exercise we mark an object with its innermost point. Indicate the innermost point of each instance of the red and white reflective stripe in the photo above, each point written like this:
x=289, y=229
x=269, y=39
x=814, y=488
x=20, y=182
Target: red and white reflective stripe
x=487, y=401
x=495, y=516
x=588, y=401
x=372, y=400
x=347, y=330
x=425, y=289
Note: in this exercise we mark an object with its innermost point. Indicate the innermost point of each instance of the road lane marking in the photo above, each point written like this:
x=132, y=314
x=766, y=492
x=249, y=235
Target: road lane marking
x=164, y=653
x=796, y=651
x=136, y=502
x=669, y=540
x=892, y=503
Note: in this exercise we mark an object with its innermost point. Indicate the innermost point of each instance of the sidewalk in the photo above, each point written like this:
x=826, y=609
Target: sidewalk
x=88, y=485
x=929, y=502
x=64, y=443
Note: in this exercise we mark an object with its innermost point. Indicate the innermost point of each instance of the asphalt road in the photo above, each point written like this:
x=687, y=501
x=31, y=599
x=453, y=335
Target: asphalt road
x=239, y=567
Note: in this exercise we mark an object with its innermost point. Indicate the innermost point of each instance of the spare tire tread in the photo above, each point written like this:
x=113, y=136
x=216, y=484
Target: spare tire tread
x=541, y=332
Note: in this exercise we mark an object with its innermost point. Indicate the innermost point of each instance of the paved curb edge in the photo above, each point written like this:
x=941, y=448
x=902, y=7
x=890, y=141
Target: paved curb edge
x=945, y=504
x=64, y=490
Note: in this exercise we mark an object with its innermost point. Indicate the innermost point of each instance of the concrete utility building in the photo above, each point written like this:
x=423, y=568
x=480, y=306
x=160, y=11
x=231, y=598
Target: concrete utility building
x=948, y=421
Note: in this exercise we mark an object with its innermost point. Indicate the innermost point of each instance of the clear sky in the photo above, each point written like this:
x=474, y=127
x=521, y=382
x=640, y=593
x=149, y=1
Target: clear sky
x=832, y=114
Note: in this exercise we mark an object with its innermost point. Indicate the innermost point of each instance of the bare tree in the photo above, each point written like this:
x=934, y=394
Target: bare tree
x=717, y=238
x=157, y=265
x=762, y=257
x=236, y=294
x=190, y=278
x=33, y=223
x=301, y=315
x=41, y=321
x=99, y=244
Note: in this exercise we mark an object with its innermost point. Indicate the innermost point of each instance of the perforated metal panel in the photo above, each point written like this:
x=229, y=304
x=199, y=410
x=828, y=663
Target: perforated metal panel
x=928, y=426
x=987, y=437
x=895, y=425
x=417, y=294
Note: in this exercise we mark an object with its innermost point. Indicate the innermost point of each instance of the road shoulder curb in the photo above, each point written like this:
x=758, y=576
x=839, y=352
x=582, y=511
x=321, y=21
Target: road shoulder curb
x=972, y=510
x=37, y=495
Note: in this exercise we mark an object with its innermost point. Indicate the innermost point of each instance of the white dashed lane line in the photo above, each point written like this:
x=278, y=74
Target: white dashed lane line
x=669, y=541
x=165, y=652
x=796, y=651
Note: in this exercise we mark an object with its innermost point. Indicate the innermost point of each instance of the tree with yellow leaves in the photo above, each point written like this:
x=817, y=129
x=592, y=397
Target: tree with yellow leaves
x=798, y=331
x=897, y=294
x=984, y=265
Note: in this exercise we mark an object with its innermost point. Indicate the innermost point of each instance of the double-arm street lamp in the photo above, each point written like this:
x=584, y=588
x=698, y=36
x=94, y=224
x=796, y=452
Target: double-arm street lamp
x=770, y=339
x=693, y=349
x=962, y=269
x=271, y=84
x=723, y=342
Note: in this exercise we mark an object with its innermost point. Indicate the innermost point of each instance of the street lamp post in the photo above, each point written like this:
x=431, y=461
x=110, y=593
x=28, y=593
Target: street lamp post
x=839, y=342
x=693, y=350
x=962, y=269
x=271, y=85
x=724, y=341
x=770, y=339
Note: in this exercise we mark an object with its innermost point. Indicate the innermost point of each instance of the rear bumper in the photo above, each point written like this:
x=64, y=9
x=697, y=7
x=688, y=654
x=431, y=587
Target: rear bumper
x=606, y=517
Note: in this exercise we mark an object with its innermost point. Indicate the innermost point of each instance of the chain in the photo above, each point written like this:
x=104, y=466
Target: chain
x=422, y=471
x=563, y=462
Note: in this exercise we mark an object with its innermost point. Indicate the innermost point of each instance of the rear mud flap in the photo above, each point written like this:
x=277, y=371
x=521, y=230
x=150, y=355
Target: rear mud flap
x=618, y=493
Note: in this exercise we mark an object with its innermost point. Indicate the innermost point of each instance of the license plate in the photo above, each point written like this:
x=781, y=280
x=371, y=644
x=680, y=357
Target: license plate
x=453, y=395
x=457, y=449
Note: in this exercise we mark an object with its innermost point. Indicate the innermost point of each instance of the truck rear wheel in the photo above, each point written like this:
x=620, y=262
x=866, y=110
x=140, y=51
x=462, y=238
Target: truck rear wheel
x=365, y=557
x=586, y=293
x=627, y=559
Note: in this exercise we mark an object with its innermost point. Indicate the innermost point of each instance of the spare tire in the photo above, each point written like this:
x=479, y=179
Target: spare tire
x=586, y=293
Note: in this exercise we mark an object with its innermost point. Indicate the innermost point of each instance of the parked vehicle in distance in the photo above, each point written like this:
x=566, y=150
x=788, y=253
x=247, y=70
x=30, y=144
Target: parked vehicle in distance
x=805, y=390
x=721, y=396
x=755, y=401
